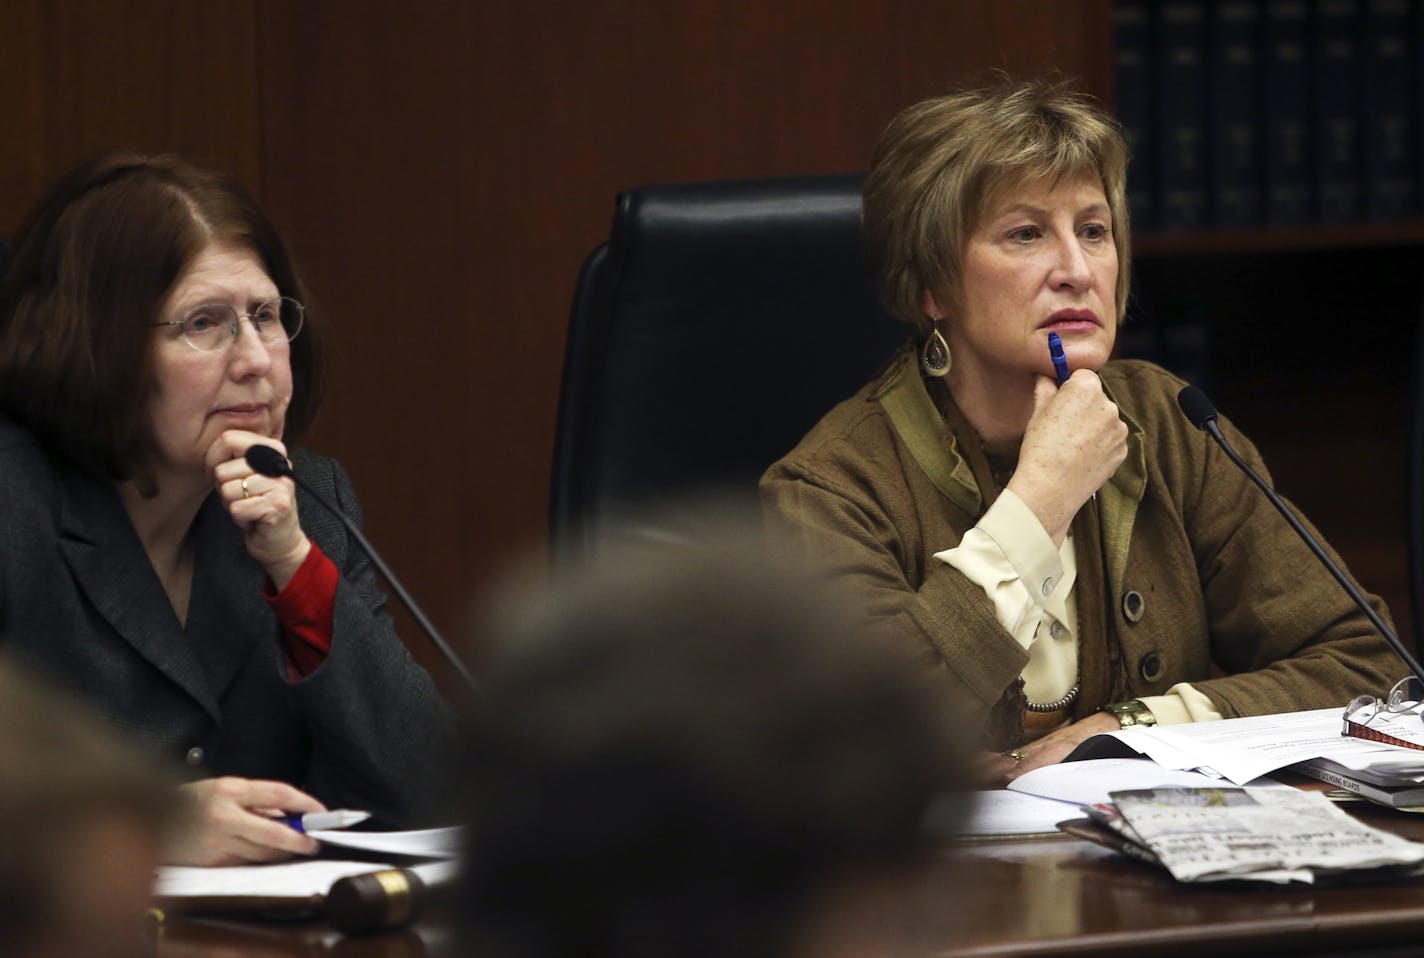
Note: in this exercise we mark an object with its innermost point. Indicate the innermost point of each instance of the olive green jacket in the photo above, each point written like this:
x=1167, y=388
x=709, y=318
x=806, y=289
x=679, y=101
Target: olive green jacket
x=1206, y=583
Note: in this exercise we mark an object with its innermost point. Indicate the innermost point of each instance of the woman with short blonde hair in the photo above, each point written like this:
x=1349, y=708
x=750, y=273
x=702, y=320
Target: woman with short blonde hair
x=1047, y=533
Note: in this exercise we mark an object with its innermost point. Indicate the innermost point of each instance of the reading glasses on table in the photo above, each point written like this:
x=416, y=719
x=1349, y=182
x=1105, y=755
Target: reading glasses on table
x=1405, y=696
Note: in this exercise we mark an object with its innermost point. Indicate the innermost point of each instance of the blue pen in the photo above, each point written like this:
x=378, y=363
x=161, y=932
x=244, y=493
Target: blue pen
x=1060, y=362
x=317, y=821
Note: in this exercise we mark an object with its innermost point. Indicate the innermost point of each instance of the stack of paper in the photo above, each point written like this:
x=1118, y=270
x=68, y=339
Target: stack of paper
x=301, y=885
x=1242, y=749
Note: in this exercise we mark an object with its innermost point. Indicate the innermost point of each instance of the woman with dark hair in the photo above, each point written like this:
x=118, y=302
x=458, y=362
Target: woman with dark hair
x=1065, y=551
x=152, y=328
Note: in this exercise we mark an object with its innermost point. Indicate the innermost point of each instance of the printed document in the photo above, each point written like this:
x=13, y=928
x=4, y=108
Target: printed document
x=1243, y=749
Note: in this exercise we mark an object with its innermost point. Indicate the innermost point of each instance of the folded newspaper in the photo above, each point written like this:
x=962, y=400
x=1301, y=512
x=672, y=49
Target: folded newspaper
x=1273, y=835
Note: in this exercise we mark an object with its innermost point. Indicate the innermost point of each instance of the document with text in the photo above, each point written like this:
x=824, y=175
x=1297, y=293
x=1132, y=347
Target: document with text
x=1243, y=749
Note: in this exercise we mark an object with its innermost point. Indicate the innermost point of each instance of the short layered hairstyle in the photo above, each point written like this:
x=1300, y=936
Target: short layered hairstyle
x=943, y=162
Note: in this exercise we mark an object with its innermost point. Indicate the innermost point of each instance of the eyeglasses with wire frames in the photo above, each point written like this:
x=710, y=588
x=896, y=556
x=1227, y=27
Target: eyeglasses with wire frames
x=214, y=326
x=1406, y=695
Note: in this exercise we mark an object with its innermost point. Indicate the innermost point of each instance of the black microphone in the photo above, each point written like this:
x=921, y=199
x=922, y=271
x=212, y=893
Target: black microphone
x=1202, y=414
x=273, y=464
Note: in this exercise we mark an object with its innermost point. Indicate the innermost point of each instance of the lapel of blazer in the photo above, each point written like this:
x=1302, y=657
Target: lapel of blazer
x=108, y=562
x=227, y=615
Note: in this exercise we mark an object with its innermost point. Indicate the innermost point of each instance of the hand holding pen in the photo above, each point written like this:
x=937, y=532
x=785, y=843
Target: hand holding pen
x=230, y=821
x=321, y=821
x=1074, y=441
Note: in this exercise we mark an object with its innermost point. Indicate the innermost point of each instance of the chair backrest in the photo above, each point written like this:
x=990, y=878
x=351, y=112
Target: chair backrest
x=714, y=328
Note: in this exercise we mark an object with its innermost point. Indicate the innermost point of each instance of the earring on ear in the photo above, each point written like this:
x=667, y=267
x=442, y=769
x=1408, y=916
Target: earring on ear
x=934, y=354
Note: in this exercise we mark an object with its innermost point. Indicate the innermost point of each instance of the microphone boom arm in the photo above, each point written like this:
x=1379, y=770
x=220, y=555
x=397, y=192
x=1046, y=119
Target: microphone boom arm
x=270, y=462
x=425, y=624
x=1214, y=430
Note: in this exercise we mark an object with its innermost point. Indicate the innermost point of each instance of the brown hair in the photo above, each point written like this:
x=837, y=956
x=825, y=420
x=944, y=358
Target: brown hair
x=91, y=268
x=941, y=162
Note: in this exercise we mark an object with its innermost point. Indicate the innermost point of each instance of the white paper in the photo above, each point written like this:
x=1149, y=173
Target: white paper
x=998, y=812
x=425, y=842
x=1244, y=749
x=301, y=879
x=1089, y=782
x=437, y=873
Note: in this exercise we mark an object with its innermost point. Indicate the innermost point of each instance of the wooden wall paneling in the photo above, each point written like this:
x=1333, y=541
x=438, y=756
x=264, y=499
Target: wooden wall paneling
x=83, y=76
x=22, y=163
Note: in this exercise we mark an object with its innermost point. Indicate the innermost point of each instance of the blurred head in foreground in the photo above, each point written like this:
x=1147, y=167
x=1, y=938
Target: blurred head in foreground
x=81, y=821
x=684, y=751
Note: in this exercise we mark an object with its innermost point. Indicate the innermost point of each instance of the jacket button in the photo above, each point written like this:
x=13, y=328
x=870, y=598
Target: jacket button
x=1150, y=667
x=1048, y=586
x=1132, y=606
x=195, y=756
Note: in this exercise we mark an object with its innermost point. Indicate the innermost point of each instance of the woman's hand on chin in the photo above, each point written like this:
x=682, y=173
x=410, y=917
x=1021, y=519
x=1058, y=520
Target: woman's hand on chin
x=231, y=821
x=263, y=507
x=1074, y=442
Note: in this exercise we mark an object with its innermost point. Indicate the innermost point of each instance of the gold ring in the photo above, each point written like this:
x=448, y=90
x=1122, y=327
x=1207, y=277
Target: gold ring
x=1017, y=756
x=245, y=491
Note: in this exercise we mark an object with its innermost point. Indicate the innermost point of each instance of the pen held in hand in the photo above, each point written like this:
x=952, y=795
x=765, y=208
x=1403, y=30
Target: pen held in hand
x=1060, y=361
x=316, y=821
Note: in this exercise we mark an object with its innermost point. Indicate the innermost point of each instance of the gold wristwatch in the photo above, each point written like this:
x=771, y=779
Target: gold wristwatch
x=1130, y=713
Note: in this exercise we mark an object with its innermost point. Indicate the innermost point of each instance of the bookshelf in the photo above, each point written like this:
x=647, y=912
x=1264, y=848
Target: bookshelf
x=1299, y=316
x=1157, y=245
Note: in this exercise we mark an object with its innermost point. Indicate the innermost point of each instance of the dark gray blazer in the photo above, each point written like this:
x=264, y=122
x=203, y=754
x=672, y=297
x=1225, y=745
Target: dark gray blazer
x=80, y=601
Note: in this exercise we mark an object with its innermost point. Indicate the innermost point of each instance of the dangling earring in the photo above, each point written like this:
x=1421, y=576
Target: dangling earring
x=934, y=354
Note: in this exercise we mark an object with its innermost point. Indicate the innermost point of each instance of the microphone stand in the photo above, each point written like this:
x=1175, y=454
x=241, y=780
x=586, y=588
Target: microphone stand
x=274, y=464
x=1203, y=415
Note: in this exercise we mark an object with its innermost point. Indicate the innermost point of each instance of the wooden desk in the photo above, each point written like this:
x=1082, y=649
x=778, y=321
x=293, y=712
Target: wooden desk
x=226, y=938
x=1067, y=897
x=995, y=899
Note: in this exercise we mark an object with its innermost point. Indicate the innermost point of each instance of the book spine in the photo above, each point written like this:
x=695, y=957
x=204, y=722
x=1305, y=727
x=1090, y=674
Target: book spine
x=1286, y=102
x=1235, y=142
x=1133, y=93
x=1336, y=57
x=1414, y=50
x=1385, y=102
x=1394, y=798
x=1181, y=84
x=1330, y=778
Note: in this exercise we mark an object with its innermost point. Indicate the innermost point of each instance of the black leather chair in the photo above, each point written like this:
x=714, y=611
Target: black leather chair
x=718, y=323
